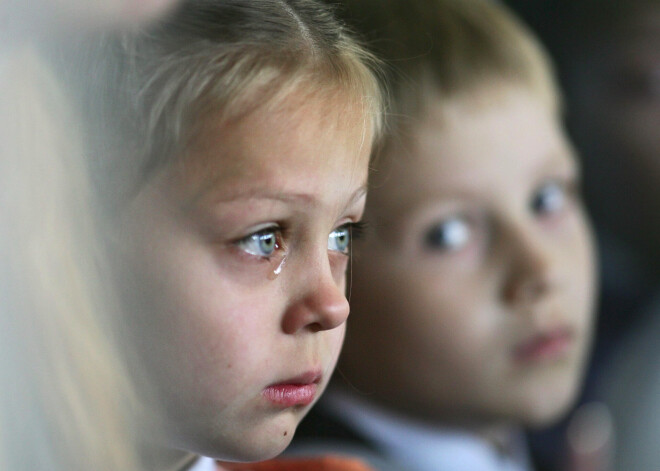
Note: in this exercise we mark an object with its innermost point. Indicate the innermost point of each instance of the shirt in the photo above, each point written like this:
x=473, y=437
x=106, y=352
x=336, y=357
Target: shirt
x=421, y=446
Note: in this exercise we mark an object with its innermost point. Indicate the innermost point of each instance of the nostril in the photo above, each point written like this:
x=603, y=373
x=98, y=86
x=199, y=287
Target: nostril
x=315, y=327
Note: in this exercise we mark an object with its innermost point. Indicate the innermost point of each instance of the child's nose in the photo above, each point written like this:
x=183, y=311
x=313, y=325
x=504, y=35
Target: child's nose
x=530, y=272
x=321, y=304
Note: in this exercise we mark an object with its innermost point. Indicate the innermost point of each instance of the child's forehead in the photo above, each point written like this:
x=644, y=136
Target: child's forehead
x=466, y=121
x=270, y=148
x=470, y=145
x=293, y=97
x=291, y=106
x=481, y=96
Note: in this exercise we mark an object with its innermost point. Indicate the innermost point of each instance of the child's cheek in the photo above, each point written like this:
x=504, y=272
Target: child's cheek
x=583, y=264
x=339, y=265
x=333, y=344
x=245, y=269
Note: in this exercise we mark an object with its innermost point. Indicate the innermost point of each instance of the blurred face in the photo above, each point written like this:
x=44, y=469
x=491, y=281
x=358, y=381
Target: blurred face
x=235, y=273
x=472, y=297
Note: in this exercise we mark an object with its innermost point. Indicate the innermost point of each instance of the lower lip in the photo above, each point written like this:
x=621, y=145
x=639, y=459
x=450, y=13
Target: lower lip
x=290, y=395
x=544, y=347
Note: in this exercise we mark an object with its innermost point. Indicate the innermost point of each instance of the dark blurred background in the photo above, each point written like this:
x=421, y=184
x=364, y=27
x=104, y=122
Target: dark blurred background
x=607, y=56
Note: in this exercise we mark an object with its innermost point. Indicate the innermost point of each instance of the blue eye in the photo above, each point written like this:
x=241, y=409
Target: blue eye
x=339, y=240
x=263, y=243
x=549, y=199
x=449, y=235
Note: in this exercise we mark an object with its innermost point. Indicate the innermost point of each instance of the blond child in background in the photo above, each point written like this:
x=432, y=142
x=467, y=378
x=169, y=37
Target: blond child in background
x=232, y=141
x=472, y=292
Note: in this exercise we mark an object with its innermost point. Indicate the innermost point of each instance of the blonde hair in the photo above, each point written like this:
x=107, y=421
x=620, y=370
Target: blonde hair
x=450, y=48
x=216, y=56
x=62, y=387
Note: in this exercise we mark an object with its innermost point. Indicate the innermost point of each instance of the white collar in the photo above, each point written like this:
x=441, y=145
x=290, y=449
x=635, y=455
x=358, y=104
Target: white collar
x=420, y=446
x=204, y=464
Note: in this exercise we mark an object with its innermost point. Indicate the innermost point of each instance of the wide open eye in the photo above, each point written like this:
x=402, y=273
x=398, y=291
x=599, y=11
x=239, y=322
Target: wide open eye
x=549, y=199
x=339, y=240
x=262, y=243
x=450, y=235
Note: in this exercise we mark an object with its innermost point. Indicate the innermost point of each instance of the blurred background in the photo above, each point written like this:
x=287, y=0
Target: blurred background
x=607, y=55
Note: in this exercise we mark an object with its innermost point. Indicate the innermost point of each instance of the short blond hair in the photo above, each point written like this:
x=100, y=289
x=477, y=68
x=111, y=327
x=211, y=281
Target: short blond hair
x=226, y=57
x=451, y=48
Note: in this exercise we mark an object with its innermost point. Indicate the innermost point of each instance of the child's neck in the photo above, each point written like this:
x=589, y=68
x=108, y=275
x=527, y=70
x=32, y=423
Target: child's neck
x=502, y=436
x=157, y=458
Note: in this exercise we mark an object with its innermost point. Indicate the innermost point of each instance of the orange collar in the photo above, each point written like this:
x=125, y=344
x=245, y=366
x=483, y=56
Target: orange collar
x=324, y=463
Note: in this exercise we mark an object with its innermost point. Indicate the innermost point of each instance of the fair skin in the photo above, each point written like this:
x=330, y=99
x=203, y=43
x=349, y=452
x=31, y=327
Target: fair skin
x=472, y=296
x=239, y=253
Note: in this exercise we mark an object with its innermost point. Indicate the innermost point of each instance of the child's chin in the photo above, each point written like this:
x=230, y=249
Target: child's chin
x=267, y=443
x=253, y=452
x=550, y=410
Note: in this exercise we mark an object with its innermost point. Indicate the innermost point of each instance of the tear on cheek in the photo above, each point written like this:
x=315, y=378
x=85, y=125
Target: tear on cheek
x=279, y=265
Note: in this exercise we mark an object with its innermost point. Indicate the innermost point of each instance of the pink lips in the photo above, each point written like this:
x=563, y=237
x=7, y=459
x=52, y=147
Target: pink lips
x=298, y=391
x=544, y=347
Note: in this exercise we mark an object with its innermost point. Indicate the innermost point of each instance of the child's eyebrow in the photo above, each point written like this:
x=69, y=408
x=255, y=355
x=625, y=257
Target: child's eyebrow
x=266, y=195
x=563, y=160
x=212, y=196
x=283, y=196
x=360, y=193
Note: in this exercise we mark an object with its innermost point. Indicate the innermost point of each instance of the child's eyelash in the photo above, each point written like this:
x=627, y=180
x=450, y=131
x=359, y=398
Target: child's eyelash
x=572, y=186
x=357, y=229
